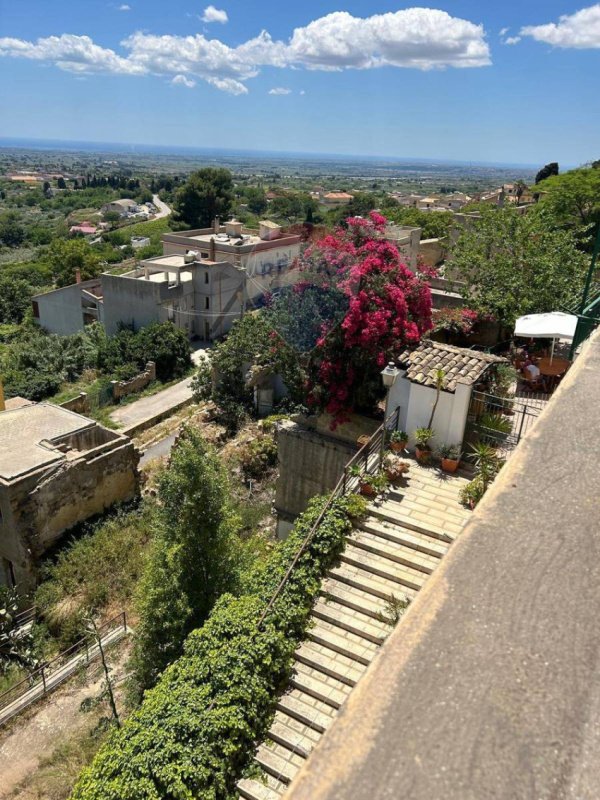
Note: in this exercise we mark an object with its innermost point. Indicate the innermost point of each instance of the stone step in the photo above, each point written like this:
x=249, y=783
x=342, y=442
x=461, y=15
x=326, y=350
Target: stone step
x=255, y=790
x=321, y=657
x=294, y=736
x=348, y=644
x=404, y=536
x=372, y=543
x=436, y=501
x=306, y=709
x=351, y=620
x=278, y=761
x=353, y=598
x=330, y=662
x=383, y=567
x=318, y=685
x=368, y=582
x=391, y=512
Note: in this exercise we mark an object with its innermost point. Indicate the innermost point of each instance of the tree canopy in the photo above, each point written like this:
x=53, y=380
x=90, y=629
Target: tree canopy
x=573, y=198
x=195, y=557
x=208, y=193
x=66, y=256
x=515, y=264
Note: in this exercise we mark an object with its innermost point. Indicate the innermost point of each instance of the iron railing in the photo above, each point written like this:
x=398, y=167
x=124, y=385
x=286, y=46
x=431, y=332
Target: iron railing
x=371, y=456
x=53, y=673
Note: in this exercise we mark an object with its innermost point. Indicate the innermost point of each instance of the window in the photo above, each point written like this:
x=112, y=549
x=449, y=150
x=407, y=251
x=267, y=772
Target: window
x=36, y=309
x=204, y=254
x=206, y=277
x=207, y=303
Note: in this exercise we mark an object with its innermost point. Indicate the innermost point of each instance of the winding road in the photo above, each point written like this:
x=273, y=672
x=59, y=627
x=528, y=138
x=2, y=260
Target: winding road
x=163, y=208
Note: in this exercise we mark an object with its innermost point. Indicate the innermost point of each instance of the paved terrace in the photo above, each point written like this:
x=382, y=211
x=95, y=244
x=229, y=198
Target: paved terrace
x=490, y=685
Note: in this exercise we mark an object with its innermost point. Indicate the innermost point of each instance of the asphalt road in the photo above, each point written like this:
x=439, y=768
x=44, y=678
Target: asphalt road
x=163, y=208
x=158, y=449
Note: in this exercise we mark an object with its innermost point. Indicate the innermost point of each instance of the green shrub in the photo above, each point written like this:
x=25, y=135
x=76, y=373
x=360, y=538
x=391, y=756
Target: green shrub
x=258, y=456
x=196, y=730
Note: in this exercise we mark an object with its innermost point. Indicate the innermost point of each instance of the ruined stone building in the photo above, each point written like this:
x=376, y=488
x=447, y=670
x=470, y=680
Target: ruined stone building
x=57, y=469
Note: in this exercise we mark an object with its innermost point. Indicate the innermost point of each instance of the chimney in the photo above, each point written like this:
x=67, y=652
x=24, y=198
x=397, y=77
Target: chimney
x=77, y=275
x=216, y=225
x=212, y=254
x=2, y=403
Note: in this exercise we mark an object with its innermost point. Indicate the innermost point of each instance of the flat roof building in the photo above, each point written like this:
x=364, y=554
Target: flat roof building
x=57, y=469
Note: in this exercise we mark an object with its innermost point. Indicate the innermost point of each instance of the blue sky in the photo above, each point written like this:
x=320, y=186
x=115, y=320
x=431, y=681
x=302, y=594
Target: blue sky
x=491, y=81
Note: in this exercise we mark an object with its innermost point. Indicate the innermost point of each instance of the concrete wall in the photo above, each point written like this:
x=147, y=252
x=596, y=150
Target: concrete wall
x=129, y=301
x=311, y=459
x=309, y=465
x=60, y=311
x=416, y=403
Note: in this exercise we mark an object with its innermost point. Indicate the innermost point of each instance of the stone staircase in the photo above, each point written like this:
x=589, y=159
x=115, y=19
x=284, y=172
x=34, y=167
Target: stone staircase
x=388, y=557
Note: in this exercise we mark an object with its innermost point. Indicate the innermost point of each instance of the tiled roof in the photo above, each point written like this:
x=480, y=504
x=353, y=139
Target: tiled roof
x=459, y=364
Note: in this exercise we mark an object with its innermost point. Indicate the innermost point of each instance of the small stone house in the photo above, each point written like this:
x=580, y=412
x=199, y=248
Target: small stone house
x=57, y=469
x=414, y=390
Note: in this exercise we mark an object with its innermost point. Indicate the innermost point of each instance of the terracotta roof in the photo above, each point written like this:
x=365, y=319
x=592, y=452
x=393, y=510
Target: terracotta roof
x=459, y=364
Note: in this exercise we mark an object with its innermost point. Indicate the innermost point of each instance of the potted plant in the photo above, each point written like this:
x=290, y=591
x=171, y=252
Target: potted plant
x=395, y=469
x=369, y=485
x=450, y=457
x=422, y=447
x=398, y=441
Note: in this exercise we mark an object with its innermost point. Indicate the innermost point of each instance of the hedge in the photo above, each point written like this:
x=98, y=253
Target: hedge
x=197, y=729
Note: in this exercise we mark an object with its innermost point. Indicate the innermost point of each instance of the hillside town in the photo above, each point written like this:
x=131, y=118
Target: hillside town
x=299, y=494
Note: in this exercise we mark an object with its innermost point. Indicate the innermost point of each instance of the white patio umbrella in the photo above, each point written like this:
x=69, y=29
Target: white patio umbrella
x=552, y=325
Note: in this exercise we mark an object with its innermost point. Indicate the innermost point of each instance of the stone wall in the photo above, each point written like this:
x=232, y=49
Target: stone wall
x=79, y=404
x=432, y=251
x=43, y=509
x=123, y=388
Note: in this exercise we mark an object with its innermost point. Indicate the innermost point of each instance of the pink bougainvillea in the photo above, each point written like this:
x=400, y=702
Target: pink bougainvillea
x=388, y=308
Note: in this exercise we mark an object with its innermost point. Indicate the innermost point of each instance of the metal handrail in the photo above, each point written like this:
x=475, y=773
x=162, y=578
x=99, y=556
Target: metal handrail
x=376, y=443
x=43, y=673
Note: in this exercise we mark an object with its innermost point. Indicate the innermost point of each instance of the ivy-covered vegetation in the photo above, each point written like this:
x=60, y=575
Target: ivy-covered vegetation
x=195, y=731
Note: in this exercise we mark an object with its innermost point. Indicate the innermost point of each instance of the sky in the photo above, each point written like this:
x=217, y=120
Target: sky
x=512, y=81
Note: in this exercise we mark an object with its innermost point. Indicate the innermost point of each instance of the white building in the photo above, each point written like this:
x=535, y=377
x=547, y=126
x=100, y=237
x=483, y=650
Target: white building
x=205, y=279
x=414, y=390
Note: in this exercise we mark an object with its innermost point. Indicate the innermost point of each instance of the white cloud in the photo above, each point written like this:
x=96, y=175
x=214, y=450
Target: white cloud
x=421, y=38
x=212, y=14
x=280, y=90
x=512, y=40
x=302, y=92
x=124, y=7
x=228, y=85
x=417, y=38
x=579, y=30
x=181, y=80
x=71, y=53
x=503, y=31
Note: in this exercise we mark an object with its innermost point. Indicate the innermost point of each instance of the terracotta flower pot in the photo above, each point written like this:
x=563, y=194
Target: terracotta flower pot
x=423, y=454
x=366, y=489
x=450, y=464
x=398, y=447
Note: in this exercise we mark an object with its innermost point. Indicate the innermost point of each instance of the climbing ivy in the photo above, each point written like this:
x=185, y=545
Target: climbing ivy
x=197, y=729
